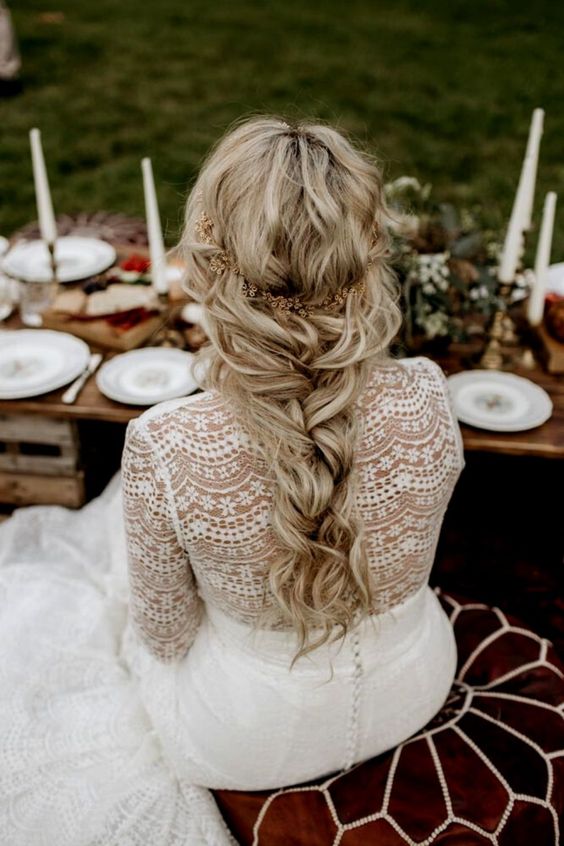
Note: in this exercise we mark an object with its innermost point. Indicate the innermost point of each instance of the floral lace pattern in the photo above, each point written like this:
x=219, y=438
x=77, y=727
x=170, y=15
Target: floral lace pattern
x=197, y=502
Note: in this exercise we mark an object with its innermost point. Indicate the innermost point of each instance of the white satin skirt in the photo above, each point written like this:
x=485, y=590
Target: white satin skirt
x=243, y=720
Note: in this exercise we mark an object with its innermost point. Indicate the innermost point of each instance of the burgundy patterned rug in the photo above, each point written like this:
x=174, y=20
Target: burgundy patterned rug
x=488, y=769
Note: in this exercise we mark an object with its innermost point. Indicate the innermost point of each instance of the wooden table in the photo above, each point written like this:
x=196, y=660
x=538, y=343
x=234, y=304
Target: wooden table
x=90, y=404
x=54, y=453
x=546, y=441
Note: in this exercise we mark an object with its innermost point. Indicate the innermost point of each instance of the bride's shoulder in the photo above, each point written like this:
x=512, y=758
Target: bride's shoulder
x=404, y=375
x=198, y=413
x=424, y=367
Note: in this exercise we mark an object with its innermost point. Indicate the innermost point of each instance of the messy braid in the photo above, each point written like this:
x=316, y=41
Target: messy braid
x=298, y=208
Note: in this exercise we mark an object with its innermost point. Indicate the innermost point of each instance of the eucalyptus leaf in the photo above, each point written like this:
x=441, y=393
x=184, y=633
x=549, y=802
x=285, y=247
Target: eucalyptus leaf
x=449, y=219
x=467, y=246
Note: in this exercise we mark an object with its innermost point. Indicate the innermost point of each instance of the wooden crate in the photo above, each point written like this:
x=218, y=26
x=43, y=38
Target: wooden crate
x=40, y=461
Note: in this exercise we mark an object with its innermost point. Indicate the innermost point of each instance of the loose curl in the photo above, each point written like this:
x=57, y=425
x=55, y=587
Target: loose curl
x=297, y=208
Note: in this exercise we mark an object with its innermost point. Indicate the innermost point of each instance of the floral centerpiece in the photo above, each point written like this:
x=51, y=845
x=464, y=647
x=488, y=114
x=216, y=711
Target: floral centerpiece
x=447, y=262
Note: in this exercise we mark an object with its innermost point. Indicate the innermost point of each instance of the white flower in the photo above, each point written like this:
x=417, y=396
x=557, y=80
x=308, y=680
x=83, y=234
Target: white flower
x=431, y=270
x=434, y=324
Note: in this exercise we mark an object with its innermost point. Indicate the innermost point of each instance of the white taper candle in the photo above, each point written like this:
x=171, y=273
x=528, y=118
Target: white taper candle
x=530, y=165
x=520, y=219
x=513, y=244
x=45, y=214
x=535, y=308
x=154, y=231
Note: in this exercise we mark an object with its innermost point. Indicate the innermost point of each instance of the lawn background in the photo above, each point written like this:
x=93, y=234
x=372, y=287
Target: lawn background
x=441, y=90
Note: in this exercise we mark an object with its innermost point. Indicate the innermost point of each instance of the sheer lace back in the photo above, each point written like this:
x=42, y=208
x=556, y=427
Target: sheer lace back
x=197, y=502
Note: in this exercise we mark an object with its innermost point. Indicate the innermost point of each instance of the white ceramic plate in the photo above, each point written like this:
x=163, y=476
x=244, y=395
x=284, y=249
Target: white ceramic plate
x=147, y=376
x=4, y=245
x=35, y=361
x=500, y=402
x=77, y=258
x=555, y=278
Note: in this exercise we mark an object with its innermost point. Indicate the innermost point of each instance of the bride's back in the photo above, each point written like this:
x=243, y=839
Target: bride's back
x=407, y=460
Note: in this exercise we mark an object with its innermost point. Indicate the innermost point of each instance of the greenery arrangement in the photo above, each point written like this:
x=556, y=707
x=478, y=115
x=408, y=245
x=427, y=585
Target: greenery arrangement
x=446, y=260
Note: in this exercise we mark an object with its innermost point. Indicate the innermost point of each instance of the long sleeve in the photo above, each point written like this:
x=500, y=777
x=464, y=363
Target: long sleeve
x=165, y=606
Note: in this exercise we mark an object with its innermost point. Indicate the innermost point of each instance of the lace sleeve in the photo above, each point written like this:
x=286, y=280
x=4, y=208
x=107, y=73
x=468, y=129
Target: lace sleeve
x=439, y=372
x=165, y=606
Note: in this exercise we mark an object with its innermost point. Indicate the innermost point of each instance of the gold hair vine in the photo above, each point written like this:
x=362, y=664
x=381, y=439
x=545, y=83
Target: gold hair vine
x=223, y=261
x=296, y=305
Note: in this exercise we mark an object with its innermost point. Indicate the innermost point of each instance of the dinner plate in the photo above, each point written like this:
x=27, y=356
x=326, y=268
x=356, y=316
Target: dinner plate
x=77, y=258
x=555, y=278
x=147, y=376
x=35, y=361
x=500, y=402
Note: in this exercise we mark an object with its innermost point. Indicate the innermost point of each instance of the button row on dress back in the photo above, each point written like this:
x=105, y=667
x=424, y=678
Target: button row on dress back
x=353, y=727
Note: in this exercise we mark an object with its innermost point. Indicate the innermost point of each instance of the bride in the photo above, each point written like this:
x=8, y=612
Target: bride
x=246, y=605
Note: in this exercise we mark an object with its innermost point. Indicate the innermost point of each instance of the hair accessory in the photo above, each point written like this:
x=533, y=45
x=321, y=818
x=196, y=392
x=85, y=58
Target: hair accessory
x=296, y=305
x=223, y=261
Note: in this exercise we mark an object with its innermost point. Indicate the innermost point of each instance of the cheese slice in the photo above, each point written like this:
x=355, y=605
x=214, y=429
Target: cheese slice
x=120, y=297
x=70, y=301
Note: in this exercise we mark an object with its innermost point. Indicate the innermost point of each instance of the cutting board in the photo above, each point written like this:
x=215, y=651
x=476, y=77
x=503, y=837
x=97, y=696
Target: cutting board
x=100, y=333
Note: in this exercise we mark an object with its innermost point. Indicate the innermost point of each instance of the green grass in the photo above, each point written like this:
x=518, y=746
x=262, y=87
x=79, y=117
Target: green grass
x=443, y=90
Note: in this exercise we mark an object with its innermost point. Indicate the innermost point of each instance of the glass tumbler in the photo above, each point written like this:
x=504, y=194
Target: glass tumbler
x=35, y=298
x=8, y=296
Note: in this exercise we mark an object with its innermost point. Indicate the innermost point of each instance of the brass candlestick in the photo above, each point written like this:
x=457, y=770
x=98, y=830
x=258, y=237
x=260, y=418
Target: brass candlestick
x=508, y=344
x=492, y=358
x=508, y=329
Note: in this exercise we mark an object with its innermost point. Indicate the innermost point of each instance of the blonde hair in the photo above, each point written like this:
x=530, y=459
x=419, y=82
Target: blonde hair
x=297, y=209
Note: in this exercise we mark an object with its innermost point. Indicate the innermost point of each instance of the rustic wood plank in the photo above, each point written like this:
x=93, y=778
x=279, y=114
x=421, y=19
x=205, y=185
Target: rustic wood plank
x=33, y=489
x=50, y=465
x=36, y=429
x=38, y=444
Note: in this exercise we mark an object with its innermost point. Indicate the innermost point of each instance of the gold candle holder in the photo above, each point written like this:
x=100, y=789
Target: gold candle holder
x=492, y=358
x=509, y=334
x=509, y=344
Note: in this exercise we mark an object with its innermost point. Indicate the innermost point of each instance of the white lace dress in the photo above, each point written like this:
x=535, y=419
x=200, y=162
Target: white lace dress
x=111, y=733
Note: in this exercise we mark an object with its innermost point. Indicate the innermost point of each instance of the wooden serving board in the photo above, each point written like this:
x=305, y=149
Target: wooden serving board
x=102, y=334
